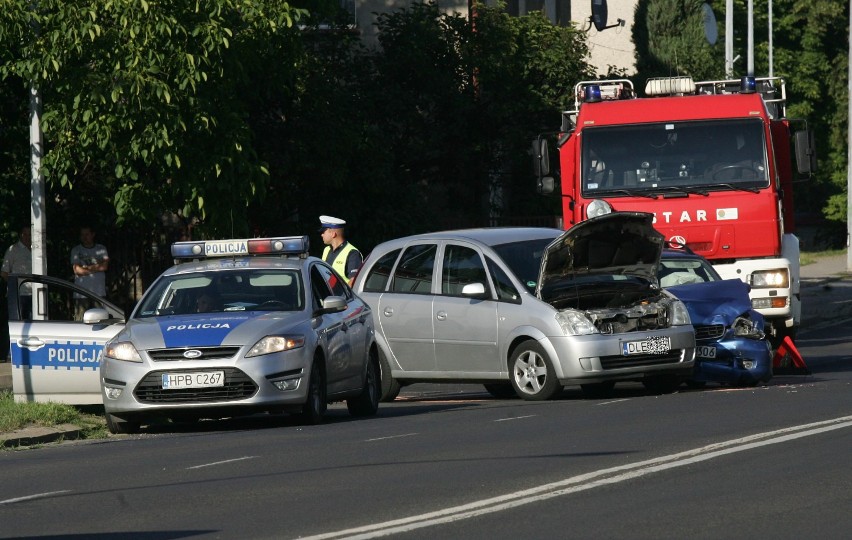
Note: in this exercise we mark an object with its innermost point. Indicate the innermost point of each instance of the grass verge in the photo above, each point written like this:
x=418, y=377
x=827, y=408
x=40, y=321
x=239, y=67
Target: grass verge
x=15, y=416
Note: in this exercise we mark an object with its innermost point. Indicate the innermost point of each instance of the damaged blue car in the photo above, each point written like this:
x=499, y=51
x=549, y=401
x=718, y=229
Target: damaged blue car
x=731, y=347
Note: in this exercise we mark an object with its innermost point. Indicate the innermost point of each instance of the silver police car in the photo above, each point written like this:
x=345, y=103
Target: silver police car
x=528, y=310
x=239, y=327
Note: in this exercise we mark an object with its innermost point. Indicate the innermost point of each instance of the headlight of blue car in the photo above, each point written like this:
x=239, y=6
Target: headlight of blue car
x=745, y=327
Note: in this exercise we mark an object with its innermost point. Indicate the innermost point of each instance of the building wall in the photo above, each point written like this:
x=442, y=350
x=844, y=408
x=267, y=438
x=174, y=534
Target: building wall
x=611, y=47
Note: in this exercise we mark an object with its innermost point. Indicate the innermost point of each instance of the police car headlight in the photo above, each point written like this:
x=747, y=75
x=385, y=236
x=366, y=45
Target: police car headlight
x=122, y=350
x=274, y=344
x=574, y=323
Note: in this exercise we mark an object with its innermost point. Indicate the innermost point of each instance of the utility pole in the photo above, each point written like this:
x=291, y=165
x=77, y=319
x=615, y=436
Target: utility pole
x=849, y=151
x=729, y=39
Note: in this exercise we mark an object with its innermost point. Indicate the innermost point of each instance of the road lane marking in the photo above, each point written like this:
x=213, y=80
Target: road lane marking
x=36, y=496
x=391, y=437
x=586, y=481
x=220, y=462
x=614, y=401
x=515, y=418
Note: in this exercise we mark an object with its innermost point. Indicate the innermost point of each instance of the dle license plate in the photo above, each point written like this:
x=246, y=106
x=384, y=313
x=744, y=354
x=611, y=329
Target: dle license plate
x=705, y=351
x=652, y=345
x=201, y=379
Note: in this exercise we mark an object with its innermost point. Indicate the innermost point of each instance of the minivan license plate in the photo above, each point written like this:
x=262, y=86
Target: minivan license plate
x=652, y=345
x=200, y=379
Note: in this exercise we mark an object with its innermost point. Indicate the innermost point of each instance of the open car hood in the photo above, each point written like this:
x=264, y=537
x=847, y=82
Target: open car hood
x=613, y=252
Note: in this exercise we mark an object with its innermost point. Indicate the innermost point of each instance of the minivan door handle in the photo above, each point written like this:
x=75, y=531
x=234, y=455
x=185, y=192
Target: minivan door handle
x=388, y=312
x=441, y=315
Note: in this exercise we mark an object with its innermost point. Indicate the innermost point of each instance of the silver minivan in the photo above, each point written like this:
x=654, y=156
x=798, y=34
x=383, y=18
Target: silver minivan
x=527, y=311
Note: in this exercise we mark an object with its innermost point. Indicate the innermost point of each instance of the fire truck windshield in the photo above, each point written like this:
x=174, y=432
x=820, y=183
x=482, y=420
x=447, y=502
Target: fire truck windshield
x=690, y=157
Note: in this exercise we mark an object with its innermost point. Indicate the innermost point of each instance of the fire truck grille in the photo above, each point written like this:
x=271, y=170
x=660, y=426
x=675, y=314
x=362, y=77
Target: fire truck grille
x=238, y=385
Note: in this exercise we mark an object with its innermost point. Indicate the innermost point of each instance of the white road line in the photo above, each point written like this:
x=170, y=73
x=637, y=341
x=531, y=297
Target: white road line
x=36, y=496
x=614, y=401
x=391, y=437
x=587, y=481
x=220, y=462
x=515, y=418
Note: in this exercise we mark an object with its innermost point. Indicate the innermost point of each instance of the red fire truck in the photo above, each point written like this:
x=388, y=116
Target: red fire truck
x=713, y=161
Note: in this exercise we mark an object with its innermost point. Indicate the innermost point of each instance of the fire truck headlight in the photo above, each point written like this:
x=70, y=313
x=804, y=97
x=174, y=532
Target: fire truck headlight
x=768, y=279
x=597, y=208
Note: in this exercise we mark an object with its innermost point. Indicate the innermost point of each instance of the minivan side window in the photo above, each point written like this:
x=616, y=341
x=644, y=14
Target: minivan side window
x=414, y=271
x=377, y=279
x=506, y=291
x=462, y=266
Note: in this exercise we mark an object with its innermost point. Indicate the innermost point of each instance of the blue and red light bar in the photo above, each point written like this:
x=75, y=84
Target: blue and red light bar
x=206, y=249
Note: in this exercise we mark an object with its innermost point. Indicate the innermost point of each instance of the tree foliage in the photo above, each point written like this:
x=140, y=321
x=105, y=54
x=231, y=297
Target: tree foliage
x=669, y=39
x=146, y=100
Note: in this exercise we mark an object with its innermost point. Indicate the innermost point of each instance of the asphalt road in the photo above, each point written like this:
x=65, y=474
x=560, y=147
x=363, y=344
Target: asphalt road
x=449, y=462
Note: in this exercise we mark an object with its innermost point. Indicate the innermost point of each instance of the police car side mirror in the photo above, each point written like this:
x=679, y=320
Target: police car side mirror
x=332, y=304
x=95, y=315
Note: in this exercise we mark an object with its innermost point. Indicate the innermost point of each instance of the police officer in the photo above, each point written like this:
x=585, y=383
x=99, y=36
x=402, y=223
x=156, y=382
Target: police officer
x=340, y=254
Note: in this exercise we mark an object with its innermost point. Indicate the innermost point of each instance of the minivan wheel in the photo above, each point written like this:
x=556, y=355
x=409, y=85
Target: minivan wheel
x=531, y=372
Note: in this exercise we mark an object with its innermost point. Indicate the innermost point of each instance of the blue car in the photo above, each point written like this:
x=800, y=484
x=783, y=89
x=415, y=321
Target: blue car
x=731, y=347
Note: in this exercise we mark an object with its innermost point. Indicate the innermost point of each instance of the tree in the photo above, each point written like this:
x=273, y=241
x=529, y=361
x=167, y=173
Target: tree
x=144, y=102
x=669, y=40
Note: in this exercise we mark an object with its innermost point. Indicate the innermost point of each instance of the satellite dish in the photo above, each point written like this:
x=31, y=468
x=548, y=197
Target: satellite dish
x=599, y=14
x=711, y=31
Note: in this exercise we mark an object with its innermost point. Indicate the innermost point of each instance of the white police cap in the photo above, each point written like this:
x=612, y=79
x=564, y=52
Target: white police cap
x=328, y=222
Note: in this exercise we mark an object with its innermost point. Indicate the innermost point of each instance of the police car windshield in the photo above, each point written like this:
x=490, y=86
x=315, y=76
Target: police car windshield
x=210, y=292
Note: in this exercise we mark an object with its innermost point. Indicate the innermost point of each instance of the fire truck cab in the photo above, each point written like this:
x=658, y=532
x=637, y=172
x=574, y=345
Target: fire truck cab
x=713, y=161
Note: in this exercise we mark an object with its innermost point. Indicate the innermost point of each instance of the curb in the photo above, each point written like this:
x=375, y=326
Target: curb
x=39, y=435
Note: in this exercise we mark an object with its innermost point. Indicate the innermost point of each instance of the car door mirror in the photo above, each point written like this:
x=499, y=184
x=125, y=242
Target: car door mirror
x=332, y=304
x=95, y=315
x=476, y=290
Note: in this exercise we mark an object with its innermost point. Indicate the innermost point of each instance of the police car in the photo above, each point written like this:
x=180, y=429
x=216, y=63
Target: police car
x=240, y=327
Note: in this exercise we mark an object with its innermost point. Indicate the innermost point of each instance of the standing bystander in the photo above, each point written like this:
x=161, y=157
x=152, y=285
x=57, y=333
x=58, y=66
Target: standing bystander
x=19, y=260
x=340, y=254
x=90, y=262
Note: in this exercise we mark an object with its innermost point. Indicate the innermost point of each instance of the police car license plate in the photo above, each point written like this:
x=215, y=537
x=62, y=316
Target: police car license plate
x=705, y=351
x=652, y=345
x=201, y=379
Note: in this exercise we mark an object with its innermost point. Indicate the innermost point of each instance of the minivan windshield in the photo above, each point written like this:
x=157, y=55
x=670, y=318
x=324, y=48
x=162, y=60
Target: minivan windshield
x=524, y=259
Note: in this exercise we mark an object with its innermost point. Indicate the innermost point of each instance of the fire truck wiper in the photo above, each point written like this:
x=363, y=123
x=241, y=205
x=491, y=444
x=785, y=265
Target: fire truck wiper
x=631, y=192
x=736, y=187
x=685, y=190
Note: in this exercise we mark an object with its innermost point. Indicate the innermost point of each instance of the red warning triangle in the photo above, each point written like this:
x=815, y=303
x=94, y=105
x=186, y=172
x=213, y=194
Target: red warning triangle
x=788, y=360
